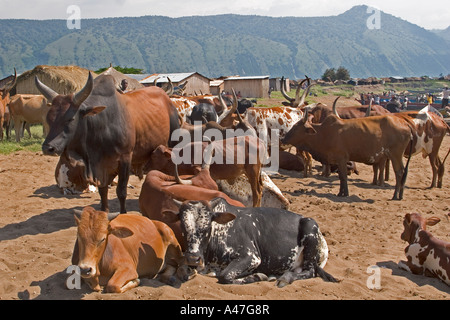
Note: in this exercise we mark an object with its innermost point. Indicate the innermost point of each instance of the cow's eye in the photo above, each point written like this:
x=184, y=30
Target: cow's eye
x=101, y=241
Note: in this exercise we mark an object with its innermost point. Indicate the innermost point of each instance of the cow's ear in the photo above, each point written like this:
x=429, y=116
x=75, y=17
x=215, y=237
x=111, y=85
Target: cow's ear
x=77, y=216
x=432, y=221
x=92, y=111
x=170, y=216
x=223, y=217
x=121, y=232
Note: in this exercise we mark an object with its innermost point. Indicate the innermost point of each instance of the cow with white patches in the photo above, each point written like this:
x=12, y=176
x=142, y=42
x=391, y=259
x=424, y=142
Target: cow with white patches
x=426, y=254
x=238, y=243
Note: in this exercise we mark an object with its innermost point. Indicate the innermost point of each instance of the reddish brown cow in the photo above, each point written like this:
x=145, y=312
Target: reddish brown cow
x=115, y=250
x=367, y=140
x=426, y=254
x=159, y=190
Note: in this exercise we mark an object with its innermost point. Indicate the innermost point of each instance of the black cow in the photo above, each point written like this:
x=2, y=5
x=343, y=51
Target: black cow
x=203, y=112
x=245, y=245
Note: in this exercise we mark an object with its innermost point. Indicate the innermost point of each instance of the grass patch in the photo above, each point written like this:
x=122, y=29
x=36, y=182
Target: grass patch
x=33, y=144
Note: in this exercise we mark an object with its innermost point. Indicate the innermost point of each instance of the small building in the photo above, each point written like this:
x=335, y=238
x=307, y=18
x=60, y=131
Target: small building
x=275, y=84
x=248, y=87
x=216, y=87
x=196, y=83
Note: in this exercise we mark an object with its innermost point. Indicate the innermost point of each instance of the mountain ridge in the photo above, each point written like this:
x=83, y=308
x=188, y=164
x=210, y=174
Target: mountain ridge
x=230, y=44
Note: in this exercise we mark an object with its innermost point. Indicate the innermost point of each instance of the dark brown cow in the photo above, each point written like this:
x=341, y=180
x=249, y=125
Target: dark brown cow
x=159, y=190
x=367, y=140
x=113, y=133
x=426, y=254
x=115, y=250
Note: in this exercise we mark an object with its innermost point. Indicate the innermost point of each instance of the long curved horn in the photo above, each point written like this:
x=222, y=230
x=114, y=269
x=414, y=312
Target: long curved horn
x=169, y=91
x=369, y=109
x=179, y=180
x=207, y=154
x=305, y=116
x=232, y=110
x=80, y=96
x=305, y=94
x=296, y=101
x=283, y=91
x=155, y=82
x=47, y=92
x=335, y=109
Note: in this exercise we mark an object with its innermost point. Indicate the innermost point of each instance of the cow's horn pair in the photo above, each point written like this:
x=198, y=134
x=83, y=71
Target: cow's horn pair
x=298, y=101
x=226, y=111
x=78, y=97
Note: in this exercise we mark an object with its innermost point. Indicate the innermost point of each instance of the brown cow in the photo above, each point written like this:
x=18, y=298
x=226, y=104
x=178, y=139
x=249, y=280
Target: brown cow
x=367, y=140
x=429, y=131
x=426, y=254
x=30, y=109
x=159, y=190
x=6, y=85
x=115, y=250
x=233, y=157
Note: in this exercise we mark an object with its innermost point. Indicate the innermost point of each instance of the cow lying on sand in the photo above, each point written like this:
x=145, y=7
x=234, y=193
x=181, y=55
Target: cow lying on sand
x=116, y=250
x=426, y=254
x=245, y=245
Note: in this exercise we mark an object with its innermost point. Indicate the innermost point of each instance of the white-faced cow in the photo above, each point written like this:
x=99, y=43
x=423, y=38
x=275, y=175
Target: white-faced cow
x=245, y=245
x=112, y=133
x=426, y=254
x=115, y=250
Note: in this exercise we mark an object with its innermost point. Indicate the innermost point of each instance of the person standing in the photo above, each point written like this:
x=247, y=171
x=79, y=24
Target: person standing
x=445, y=97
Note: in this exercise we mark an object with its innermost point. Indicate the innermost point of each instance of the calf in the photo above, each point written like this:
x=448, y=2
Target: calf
x=117, y=249
x=426, y=254
x=244, y=245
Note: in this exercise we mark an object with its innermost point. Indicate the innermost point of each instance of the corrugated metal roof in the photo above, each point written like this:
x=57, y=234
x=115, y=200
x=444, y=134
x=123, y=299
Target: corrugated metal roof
x=248, y=78
x=163, y=77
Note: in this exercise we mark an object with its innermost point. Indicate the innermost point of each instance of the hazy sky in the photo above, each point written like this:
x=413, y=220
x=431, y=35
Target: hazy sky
x=430, y=14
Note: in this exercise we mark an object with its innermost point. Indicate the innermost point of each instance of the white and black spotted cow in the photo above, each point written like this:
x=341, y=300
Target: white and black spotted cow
x=244, y=245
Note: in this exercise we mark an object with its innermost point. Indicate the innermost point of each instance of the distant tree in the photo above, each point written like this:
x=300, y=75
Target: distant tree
x=342, y=74
x=329, y=75
x=124, y=70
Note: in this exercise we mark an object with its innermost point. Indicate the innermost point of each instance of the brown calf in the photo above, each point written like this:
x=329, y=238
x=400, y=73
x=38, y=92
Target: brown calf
x=118, y=249
x=426, y=254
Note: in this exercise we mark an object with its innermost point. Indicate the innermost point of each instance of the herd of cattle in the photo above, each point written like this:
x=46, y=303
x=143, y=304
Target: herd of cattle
x=217, y=215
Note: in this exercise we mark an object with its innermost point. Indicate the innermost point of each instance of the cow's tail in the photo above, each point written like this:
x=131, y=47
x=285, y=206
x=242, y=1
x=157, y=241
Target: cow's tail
x=324, y=275
x=405, y=171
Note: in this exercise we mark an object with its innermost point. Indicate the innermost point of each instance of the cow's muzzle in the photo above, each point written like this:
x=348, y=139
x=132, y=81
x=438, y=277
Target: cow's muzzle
x=87, y=271
x=49, y=150
x=193, y=260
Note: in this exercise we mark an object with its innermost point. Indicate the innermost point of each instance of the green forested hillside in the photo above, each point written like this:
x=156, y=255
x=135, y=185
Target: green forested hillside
x=230, y=44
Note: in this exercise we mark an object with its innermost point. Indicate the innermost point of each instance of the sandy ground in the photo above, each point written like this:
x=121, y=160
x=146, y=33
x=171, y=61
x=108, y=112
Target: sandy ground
x=37, y=234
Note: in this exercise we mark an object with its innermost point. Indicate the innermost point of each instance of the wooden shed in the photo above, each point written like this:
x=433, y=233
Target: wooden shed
x=196, y=83
x=62, y=79
x=248, y=87
x=275, y=84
